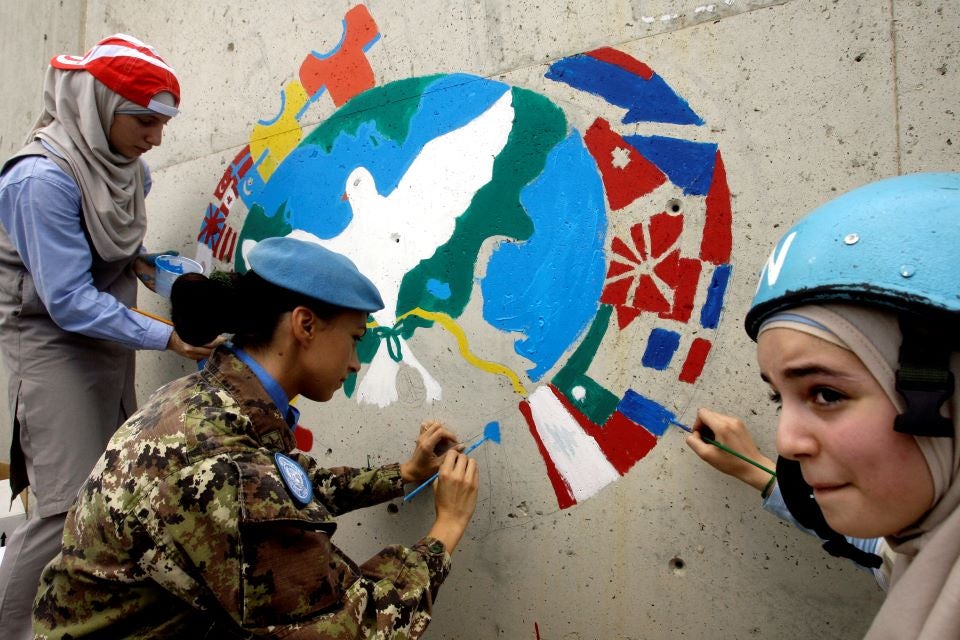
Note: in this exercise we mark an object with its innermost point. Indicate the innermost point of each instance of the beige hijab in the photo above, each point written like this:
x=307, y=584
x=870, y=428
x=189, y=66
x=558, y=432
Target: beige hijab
x=924, y=598
x=77, y=115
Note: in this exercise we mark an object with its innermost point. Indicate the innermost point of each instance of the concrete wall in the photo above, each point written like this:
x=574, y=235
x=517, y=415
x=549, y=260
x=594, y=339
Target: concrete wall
x=697, y=130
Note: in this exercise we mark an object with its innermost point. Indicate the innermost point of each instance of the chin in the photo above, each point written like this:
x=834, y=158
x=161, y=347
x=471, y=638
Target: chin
x=862, y=526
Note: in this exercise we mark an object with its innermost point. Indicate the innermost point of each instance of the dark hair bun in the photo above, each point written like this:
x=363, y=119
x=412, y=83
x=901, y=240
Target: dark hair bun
x=203, y=308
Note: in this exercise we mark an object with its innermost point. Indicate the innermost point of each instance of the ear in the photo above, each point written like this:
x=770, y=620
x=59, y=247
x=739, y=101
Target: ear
x=304, y=324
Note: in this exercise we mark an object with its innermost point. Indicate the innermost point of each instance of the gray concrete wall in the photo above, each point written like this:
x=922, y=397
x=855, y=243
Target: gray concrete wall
x=633, y=537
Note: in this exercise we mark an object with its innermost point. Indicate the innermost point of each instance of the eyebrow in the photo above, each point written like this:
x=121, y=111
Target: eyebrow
x=794, y=373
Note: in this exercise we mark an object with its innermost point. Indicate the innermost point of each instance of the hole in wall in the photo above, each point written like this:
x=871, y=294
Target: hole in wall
x=677, y=565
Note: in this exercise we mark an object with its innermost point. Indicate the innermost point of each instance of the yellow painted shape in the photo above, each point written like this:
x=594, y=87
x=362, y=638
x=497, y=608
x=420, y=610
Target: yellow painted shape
x=451, y=325
x=281, y=137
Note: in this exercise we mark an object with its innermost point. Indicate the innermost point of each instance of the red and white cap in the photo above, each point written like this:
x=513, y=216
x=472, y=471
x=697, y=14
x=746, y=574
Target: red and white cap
x=131, y=69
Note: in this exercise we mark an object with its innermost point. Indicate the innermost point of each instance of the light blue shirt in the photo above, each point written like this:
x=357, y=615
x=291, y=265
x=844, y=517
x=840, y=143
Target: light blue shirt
x=290, y=413
x=40, y=209
x=774, y=504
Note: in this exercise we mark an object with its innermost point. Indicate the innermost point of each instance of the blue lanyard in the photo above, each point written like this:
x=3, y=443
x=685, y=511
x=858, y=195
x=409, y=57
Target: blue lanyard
x=290, y=414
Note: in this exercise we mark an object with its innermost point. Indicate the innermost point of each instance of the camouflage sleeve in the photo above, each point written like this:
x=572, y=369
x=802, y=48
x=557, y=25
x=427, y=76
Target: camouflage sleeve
x=421, y=570
x=392, y=600
x=342, y=489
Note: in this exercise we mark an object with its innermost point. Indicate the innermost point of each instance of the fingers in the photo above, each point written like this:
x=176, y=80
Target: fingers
x=458, y=466
x=435, y=437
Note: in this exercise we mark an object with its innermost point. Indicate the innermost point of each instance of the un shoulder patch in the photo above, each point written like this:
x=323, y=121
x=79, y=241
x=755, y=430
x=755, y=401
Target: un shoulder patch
x=297, y=481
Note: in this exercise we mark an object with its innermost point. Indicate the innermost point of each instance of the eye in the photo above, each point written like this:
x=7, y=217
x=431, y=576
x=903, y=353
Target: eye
x=827, y=396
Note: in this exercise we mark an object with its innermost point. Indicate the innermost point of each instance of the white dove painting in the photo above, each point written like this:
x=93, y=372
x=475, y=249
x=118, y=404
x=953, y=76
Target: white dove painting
x=392, y=233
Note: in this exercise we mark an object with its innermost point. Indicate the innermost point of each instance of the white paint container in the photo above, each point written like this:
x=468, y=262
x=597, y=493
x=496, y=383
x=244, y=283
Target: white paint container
x=169, y=268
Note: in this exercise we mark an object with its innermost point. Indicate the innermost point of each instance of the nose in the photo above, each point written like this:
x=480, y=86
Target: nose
x=354, y=364
x=155, y=134
x=795, y=438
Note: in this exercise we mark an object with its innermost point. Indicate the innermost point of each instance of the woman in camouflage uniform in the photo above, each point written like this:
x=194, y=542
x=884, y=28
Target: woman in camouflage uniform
x=200, y=520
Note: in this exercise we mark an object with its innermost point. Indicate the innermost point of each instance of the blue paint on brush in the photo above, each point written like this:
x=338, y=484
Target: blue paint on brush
x=491, y=432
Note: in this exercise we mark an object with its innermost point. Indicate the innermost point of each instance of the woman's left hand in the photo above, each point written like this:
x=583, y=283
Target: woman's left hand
x=433, y=441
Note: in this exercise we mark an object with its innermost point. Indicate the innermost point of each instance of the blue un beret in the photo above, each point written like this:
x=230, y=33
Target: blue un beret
x=315, y=271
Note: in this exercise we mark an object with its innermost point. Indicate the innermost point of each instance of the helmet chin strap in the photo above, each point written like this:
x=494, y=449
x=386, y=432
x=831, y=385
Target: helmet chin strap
x=924, y=378
x=798, y=496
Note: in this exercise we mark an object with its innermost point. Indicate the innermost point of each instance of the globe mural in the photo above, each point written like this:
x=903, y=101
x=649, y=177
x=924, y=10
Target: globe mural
x=477, y=206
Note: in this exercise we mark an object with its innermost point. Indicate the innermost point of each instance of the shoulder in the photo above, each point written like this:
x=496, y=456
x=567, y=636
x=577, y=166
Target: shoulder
x=272, y=492
x=39, y=171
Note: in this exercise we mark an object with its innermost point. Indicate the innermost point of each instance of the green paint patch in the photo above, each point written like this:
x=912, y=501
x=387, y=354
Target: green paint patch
x=597, y=403
x=390, y=107
x=496, y=210
x=257, y=226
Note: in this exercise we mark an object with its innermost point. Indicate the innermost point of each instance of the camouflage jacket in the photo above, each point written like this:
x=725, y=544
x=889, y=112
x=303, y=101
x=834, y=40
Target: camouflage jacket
x=187, y=529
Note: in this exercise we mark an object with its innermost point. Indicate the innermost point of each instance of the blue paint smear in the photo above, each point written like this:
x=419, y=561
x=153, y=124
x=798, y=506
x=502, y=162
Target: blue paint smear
x=645, y=412
x=438, y=289
x=283, y=104
x=660, y=349
x=251, y=186
x=645, y=100
x=548, y=287
x=710, y=314
x=311, y=182
x=688, y=164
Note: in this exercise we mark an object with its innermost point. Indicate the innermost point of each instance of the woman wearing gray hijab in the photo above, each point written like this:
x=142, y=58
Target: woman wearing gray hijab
x=73, y=221
x=855, y=319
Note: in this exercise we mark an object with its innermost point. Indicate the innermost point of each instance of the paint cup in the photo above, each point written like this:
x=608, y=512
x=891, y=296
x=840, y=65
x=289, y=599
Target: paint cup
x=169, y=268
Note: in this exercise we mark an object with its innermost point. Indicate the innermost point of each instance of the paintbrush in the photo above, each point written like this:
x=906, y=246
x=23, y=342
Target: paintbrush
x=707, y=435
x=491, y=432
x=150, y=315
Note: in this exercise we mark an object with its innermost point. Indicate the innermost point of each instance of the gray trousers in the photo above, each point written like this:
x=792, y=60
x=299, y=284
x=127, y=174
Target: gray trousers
x=31, y=546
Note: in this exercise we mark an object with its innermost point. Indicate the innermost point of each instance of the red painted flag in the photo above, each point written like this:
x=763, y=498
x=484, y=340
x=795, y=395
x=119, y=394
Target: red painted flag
x=626, y=174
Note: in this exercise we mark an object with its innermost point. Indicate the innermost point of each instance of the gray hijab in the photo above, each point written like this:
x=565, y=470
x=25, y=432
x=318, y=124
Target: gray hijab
x=77, y=114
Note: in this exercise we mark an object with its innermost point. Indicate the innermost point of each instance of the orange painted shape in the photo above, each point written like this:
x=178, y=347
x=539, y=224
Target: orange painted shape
x=346, y=71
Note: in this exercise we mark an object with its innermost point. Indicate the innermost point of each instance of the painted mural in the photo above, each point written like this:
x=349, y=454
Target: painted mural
x=453, y=190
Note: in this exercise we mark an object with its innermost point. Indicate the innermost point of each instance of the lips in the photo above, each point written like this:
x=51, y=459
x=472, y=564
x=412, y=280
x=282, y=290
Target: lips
x=822, y=489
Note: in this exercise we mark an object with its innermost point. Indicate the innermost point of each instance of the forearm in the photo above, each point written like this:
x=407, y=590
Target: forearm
x=343, y=489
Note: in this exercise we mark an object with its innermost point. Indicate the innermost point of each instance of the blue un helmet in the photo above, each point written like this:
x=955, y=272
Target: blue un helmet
x=895, y=244
x=892, y=244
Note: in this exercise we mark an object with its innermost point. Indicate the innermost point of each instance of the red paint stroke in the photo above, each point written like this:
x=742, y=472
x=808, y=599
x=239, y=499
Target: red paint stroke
x=622, y=60
x=717, y=239
x=665, y=230
x=213, y=222
x=682, y=275
x=223, y=249
x=346, y=71
x=622, y=441
x=536, y=628
x=235, y=171
x=679, y=274
x=648, y=296
x=214, y=231
x=622, y=185
x=561, y=488
x=696, y=358
x=304, y=438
